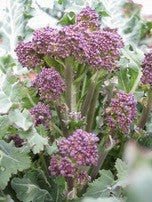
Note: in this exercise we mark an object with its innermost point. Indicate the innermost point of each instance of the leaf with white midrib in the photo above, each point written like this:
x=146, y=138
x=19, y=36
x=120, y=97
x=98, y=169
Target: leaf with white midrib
x=11, y=161
x=27, y=191
x=100, y=187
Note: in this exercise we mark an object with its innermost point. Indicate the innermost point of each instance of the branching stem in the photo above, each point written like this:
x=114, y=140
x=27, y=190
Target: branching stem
x=146, y=111
x=68, y=73
x=88, y=99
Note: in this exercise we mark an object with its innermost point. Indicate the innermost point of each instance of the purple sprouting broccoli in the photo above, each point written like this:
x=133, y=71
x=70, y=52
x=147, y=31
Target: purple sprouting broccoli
x=75, y=152
x=27, y=56
x=41, y=114
x=147, y=69
x=122, y=112
x=49, y=84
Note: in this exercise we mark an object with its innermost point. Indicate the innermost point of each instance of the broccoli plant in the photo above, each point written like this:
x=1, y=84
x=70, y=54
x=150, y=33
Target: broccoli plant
x=70, y=99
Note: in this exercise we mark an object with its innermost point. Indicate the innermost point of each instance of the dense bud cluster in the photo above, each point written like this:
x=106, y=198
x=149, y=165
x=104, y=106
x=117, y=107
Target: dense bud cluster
x=41, y=114
x=84, y=40
x=44, y=40
x=17, y=140
x=147, y=69
x=103, y=50
x=62, y=166
x=79, y=149
x=27, y=55
x=88, y=18
x=50, y=84
x=81, y=146
x=122, y=112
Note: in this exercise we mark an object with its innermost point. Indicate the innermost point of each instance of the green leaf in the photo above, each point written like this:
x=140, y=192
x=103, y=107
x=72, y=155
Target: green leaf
x=27, y=191
x=11, y=161
x=67, y=19
x=5, y=102
x=4, y=124
x=122, y=172
x=6, y=198
x=36, y=142
x=52, y=149
x=21, y=119
x=128, y=77
x=146, y=141
x=101, y=200
x=12, y=25
x=11, y=92
x=42, y=130
x=6, y=62
x=130, y=72
x=100, y=187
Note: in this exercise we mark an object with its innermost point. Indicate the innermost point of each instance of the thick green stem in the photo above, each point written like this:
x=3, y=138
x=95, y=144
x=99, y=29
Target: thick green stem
x=43, y=163
x=68, y=73
x=96, y=169
x=91, y=112
x=102, y=156
x=30, y=99
x=146, y=111
x=61, y=119
x=88, y=99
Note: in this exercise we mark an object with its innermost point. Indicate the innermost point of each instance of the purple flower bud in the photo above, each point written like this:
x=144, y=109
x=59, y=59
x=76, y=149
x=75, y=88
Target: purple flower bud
x=81, y=146
x=44, y=40
x=122, y=112
x=88, y=18
x=62, y=166
x=103, y=50
x=50, y=84
x=84, y=41
x=27, y=56
x=41, y=114
x=17, y=141
x=147, y=69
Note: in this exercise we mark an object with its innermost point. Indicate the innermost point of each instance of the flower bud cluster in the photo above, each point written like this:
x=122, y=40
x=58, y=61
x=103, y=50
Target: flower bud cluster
x=122, y=112
x=50, y=84
x=76, y=151
x=147, y=69
x=41, y=114
x=27, y=55
x=84, y=40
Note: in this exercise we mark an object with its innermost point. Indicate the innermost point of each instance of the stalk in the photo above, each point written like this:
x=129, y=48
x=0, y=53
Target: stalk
x=102, y=156
x=43, y=163
x=30, y=99
x=91, y=112
x=68, y=73
x=146, y=111
x=88, y=99
x=61, y=119
x=93, y=171
x=101, y=160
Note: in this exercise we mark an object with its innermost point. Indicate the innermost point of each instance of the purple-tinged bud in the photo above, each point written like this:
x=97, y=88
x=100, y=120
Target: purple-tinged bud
x=41, y=114
x=44, y=40
x=50, y=84
x=81, y=146
x=27, y=56
x=17, y=141
x=62, y=166
x=122, y=112
x=147, y=69
x=88, y=18
x=103, y=50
